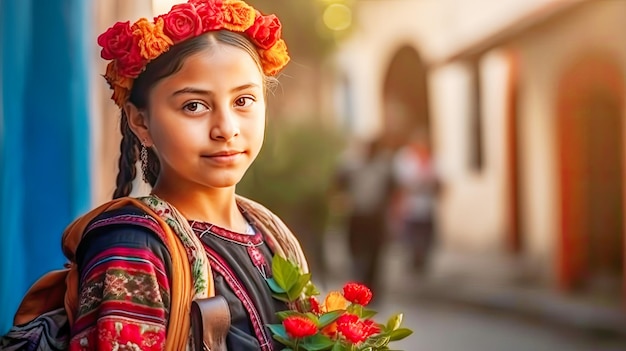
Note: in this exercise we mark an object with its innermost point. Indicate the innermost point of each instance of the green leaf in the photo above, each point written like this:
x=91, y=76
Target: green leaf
x=312, y=317
x=356, y=309
x=329, y=317
x=278, y=329
x=297, y=289
x=282, y=315
x=400, y=334
x=285, y=273
x=281, y=297
x=381, y=341
x=340, y=347
x=274, y=286
x=311, y=289
x=284, y=341
x=394, y=322
x=317, y=342
x=368, y=313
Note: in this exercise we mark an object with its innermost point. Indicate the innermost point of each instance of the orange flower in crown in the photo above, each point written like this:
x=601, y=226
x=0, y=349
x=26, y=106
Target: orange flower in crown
x=131, y=47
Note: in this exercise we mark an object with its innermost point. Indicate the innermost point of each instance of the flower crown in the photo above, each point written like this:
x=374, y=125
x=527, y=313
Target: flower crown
x=132, y=47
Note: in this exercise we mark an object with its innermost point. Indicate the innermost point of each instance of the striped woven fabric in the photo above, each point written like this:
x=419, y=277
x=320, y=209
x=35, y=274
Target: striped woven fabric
x=49, y=331
x=124, y=301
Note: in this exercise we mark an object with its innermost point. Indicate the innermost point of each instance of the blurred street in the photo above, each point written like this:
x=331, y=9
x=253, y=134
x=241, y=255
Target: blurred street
x=438, y=327
x=440, y=324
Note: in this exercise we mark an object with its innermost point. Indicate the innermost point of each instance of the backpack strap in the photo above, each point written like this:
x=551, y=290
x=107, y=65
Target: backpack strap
x=279, y=237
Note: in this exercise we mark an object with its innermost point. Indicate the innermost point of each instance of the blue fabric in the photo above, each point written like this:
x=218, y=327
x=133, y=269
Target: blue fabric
x=45, y=137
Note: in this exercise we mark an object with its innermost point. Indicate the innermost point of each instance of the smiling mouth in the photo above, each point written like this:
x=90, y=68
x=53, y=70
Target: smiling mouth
x=224, y=154
x=224, y=158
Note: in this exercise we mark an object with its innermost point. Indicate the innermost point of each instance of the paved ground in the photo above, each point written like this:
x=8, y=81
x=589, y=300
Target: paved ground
x=443, y=326
x=454, y=328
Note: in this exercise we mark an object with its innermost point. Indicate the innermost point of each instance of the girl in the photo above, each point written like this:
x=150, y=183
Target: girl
x=191, y=86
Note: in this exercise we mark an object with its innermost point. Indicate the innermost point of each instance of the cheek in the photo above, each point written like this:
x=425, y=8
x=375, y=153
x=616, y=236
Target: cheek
x=173, y=137
x=259, y=131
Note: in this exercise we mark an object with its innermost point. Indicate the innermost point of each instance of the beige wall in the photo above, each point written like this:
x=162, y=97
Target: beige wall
x=104, y=114
x=473, y=208
x=546, y=54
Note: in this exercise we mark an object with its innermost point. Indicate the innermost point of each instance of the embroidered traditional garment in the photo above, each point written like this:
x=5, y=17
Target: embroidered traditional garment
x=128, y=292
x=240, y=264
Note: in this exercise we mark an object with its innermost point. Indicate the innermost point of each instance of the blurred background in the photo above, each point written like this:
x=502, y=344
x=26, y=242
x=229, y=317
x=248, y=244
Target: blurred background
x=465, y=158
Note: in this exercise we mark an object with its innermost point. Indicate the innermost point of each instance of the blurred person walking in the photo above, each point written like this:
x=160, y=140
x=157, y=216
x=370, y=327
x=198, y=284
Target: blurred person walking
x=366, y=180
x=418, y=185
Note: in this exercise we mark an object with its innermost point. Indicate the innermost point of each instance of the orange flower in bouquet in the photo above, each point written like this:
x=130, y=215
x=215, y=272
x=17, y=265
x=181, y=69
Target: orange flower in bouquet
x=341, y=322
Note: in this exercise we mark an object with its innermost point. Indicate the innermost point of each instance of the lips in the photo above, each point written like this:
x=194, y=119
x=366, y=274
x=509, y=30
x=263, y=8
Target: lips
x=224, y=157
x=224, y=153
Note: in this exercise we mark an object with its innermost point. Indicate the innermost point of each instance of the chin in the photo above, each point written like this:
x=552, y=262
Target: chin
x=224, y=180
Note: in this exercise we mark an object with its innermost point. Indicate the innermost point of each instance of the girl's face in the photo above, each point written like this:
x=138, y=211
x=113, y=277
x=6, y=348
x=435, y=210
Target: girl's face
x=207, y=121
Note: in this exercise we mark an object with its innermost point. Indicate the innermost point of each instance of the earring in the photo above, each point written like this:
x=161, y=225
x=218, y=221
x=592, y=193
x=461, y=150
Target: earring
x=144, y=162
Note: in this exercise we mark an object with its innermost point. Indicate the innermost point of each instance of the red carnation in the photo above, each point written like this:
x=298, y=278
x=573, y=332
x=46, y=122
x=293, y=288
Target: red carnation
x=358, y=331
x=315, y=305
x=347, y=318
x=117, y=41
x=182, y=22
x=370, y=327
x=265, y=31
x=299, y=326
x=357, y=293
x=211, y=14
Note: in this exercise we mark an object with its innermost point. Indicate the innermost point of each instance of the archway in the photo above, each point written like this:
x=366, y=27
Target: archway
x=405, y=96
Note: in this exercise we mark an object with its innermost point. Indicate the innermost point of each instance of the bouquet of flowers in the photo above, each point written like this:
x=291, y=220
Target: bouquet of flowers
x=341, y=322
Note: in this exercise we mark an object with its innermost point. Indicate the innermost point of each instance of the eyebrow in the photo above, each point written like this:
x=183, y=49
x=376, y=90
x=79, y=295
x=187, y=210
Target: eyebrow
x=192, y=90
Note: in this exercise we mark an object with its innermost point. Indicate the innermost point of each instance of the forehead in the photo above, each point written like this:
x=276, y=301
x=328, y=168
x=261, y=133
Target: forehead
x=219, y=66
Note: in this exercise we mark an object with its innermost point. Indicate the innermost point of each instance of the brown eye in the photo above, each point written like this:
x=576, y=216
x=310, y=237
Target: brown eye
x=244, y=101
x=195, y=107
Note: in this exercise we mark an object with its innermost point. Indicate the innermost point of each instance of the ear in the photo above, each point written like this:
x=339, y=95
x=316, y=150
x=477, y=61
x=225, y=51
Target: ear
x=138, y=123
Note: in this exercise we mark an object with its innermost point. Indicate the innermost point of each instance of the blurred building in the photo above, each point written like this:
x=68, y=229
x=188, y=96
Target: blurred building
x=524, y=103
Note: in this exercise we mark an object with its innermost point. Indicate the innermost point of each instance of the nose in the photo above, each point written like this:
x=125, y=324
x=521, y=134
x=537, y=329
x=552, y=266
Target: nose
x=225, y=125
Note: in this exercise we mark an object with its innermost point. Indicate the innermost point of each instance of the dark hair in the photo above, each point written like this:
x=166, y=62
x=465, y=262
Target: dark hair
x=163, y=66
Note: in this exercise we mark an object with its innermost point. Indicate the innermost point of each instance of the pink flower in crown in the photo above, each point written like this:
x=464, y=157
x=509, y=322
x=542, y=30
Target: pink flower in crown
x=211, y=13
x=117, y=41
x=182, y=22
x=265, y=31
x=133, y=63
